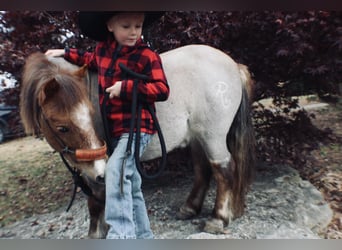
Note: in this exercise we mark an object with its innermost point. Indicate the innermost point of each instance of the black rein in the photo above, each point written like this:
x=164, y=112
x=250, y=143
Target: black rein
x=136, y=112
x=136, y=109
x=76, y=176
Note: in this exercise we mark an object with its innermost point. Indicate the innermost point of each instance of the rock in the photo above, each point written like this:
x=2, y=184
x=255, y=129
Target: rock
x=204, y=235
x=280, y=205
x=288, y=231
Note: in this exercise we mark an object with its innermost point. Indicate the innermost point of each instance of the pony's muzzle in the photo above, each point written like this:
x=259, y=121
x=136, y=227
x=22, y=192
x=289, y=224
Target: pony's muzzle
x=100, y=179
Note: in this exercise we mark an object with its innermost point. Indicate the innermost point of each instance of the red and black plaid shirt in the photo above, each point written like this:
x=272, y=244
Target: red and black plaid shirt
x=139, y=58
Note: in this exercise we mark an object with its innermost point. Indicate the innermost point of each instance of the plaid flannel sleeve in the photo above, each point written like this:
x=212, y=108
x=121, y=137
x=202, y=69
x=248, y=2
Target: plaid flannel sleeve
x=80, y=58
x=154, y=90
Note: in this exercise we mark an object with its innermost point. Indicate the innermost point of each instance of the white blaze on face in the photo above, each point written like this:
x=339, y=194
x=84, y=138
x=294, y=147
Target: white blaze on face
x=81, y=117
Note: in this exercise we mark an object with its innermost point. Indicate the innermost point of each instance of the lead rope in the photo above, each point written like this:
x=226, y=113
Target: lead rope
x=105, y=124
x=108, y=73
x=136, y=111
x=131, y=131
x=74, y=177
x=78, y=181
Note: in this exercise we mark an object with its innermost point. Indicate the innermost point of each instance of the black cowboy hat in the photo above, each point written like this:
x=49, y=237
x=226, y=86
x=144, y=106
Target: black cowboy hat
x=93, y=23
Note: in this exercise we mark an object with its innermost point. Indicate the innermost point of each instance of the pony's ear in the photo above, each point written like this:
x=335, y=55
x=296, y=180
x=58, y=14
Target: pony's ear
x=48, y=90
x=81, y=72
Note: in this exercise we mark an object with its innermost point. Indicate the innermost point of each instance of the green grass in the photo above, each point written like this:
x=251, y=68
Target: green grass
x=32, y=184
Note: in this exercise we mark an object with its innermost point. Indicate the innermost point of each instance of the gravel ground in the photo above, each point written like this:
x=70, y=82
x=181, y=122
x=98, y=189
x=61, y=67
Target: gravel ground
x=279, y=205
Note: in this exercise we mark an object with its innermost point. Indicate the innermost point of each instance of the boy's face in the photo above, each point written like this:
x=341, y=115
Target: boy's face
x=126, y=27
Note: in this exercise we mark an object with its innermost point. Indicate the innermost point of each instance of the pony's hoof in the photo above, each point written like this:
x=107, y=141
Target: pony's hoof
x=185, y=213
x=214, y=226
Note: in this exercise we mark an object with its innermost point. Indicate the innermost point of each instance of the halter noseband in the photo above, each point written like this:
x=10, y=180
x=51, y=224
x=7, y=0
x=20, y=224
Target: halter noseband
x=81, y=155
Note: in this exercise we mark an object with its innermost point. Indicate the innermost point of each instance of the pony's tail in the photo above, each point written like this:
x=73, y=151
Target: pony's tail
x=241, y=144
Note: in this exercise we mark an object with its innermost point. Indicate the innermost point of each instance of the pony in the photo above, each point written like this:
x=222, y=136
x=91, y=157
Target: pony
x=54, y=102
x=208, y=110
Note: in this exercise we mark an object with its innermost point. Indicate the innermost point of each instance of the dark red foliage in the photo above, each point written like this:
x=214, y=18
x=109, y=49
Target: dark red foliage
x=288, y=53
x=303, y=50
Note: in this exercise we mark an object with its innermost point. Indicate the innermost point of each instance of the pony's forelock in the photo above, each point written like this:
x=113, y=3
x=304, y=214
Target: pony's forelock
x=39, y=71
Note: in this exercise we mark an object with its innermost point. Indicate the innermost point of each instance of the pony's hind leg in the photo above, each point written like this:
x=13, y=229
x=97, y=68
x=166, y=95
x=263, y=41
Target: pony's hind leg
x=223, y=211
x=203, y=173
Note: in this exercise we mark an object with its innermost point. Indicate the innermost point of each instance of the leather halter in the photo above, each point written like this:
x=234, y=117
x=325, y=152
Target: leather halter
x=81, y=155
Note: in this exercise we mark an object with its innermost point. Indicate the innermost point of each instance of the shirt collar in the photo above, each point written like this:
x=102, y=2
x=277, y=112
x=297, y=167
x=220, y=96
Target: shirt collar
x=113, y=44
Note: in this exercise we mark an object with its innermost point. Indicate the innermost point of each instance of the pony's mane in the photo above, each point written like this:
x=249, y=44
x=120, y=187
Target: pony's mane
x=39, y=71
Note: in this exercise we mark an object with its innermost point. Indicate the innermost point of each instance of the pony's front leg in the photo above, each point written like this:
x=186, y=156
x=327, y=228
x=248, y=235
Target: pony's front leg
x=223, y=211
x=202, y=171
x=98, y=228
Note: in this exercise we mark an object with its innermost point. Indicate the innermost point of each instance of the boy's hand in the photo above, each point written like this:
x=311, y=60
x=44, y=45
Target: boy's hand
x=115, y=90
x=55, y=52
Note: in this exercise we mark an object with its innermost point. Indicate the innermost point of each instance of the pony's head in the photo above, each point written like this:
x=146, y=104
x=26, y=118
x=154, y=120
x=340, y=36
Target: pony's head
x=54, y=102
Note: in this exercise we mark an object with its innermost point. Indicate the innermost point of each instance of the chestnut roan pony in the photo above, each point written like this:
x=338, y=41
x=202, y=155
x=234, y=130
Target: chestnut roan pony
x=208, y=110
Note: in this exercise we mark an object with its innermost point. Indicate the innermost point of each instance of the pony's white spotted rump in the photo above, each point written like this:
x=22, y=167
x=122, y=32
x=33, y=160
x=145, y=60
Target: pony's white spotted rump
x=207, y=110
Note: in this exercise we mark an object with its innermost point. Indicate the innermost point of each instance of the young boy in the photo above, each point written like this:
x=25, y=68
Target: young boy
x=119, y=36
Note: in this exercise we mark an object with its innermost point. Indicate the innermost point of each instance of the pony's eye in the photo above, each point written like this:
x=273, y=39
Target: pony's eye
x=62, y=129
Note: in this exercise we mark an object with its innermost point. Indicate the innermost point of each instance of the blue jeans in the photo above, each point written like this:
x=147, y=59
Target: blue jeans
x=126, y=213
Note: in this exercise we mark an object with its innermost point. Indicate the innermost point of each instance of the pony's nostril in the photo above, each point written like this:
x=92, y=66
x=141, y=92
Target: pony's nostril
x=100, y=179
